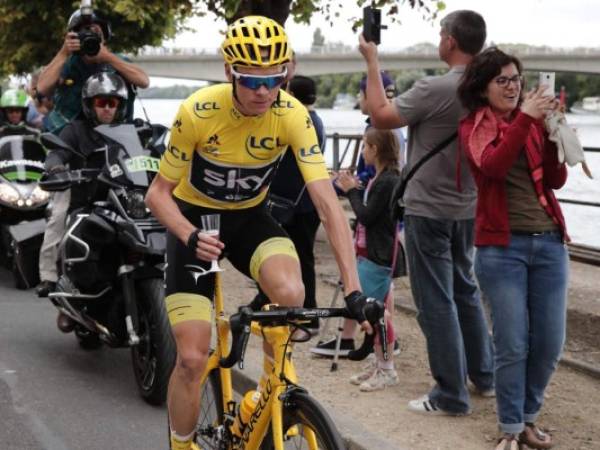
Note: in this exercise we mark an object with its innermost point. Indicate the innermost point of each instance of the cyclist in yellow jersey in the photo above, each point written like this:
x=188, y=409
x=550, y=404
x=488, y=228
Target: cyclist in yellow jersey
x=225, y=144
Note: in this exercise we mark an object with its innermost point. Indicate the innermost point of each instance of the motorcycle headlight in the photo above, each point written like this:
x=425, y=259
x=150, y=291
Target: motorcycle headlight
x=8, y=194
x=135, y=206
x=38, y=195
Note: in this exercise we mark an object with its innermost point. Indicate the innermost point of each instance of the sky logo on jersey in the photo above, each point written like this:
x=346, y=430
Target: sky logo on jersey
x=206, y=110
x=262, y=148
x=228, y=183
x=311, y=155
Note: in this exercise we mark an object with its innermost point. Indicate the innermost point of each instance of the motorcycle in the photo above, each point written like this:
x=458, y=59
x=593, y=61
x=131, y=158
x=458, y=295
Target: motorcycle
x=111, y=258
x=22, y=207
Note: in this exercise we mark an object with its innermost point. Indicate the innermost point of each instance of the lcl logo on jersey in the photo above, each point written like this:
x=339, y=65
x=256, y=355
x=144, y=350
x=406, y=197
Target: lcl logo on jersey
x=311, y=155
x=256, y=146
x=174, y=152
x=281, y=107
x=206, y=110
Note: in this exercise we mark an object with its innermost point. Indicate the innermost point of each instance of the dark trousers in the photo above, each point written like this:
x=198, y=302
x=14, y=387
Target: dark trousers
x=302, y=231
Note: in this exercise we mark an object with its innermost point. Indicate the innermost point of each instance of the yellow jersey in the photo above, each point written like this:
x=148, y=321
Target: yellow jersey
x=222, y=159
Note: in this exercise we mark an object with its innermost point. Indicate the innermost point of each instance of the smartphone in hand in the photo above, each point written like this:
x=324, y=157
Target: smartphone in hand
x=372, y=24
x=548, y=79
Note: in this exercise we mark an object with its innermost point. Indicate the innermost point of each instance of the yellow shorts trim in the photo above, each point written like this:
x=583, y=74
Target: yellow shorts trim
x=184, y=306
x=270, y=247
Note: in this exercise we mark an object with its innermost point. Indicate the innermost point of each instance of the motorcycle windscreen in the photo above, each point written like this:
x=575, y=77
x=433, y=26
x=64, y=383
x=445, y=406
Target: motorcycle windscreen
x=128, y=163
x=21, y=158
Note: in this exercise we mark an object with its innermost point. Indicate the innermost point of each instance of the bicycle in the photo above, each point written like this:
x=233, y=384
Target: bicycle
x=296, y=419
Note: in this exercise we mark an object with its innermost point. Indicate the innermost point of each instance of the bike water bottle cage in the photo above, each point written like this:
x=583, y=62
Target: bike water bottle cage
x=256, y=81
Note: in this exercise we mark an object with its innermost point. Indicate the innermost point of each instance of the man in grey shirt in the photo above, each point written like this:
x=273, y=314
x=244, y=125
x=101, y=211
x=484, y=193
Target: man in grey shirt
x=439, y=216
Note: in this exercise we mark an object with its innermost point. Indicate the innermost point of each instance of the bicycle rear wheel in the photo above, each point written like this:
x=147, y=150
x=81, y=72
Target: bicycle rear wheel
x=306, y=426
x=211, y=412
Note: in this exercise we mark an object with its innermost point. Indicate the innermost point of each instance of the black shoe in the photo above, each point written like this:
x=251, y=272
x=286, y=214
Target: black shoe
x=327, y=348
x=44, y=288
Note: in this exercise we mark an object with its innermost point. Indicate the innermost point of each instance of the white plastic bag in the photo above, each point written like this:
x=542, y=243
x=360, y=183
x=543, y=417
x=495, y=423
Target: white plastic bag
x=567, y=142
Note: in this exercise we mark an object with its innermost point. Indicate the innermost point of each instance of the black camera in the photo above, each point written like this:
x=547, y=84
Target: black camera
x=90, y=42
x=372, y=24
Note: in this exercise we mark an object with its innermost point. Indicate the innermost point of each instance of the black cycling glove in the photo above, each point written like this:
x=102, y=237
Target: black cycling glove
x=192, y=242
x=355, y=302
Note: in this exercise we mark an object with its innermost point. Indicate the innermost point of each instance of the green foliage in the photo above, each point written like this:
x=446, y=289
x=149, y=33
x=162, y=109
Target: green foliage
x=32, y=31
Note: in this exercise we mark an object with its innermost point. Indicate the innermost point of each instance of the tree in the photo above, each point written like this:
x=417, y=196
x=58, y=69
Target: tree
x=32, y=31
x=318, y=41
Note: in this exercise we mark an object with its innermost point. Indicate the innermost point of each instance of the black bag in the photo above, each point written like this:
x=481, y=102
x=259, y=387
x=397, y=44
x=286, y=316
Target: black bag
x=281, y=209
x=396, y=200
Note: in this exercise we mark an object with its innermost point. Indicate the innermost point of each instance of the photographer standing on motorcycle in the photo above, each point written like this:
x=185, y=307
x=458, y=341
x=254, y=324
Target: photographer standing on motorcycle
x=83, y=54
x=13, y=106
x=104, y=101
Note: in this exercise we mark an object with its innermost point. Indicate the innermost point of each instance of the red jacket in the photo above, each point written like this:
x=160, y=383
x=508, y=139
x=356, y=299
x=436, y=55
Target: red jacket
x=491, y=165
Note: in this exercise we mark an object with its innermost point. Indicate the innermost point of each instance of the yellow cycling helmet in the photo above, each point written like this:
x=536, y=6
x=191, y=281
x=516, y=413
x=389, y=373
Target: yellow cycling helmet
x=247, y=36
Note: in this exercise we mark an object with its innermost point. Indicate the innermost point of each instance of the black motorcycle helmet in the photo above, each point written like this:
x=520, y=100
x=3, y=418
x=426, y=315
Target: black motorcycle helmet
x=104, y=84
x=77, y=21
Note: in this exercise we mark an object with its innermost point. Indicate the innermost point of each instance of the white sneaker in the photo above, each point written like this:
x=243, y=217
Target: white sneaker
x=380, y=379
x=366, y=373
x=424, y=406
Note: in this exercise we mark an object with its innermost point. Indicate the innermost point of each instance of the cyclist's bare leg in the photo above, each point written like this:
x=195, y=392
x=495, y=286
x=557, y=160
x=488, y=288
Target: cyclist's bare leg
x=280, y=278
x=193, y=340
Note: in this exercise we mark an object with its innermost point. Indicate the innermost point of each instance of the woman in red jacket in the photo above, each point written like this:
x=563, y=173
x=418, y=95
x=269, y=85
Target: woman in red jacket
x=521, y=261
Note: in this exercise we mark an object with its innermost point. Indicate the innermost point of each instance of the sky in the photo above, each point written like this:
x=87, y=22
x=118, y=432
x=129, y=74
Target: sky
x=556, y=23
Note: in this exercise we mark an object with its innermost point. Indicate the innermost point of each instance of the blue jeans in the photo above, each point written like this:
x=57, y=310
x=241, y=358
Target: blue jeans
x=450, y=314
x=526, y=285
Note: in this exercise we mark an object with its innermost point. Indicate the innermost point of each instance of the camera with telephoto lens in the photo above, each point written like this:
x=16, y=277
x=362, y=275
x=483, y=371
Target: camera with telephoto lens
x=90, y=42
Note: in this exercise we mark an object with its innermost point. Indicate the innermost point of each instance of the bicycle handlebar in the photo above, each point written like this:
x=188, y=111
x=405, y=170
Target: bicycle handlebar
x=240, y=322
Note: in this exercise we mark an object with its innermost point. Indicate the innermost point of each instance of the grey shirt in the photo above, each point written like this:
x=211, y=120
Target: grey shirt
x=432, y=110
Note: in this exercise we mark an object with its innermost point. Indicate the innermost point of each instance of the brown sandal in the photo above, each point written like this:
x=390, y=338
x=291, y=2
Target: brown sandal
x=534, y=437
x=509, y=442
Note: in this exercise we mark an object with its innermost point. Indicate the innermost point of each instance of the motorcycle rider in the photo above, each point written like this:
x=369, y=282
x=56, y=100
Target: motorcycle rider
x=13, y=105
x=104, y=100
x=65, y=75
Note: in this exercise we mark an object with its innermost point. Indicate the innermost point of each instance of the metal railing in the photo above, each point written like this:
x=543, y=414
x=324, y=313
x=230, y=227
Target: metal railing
x=346, y=149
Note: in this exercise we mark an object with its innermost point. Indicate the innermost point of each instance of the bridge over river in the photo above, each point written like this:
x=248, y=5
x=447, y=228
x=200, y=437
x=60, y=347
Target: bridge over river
x=200, y=65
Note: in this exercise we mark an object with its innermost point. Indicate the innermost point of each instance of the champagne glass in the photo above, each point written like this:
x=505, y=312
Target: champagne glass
x=210, y=225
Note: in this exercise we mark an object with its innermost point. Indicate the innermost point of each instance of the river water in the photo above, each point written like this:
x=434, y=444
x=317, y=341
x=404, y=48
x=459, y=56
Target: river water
x=583, y=222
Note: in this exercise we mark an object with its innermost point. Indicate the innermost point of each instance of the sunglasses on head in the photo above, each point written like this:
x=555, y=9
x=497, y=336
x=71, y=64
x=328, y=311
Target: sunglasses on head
x=103, y=102
x=256, y=81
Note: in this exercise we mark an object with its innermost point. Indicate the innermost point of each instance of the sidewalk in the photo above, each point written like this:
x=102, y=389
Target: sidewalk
x=380, y=419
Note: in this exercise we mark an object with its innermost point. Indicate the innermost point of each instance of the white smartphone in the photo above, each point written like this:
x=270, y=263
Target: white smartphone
x=547, y=79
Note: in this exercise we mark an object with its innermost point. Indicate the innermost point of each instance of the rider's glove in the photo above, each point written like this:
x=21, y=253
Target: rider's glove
x=56, y=169
x=192, y=241
x=355, y=302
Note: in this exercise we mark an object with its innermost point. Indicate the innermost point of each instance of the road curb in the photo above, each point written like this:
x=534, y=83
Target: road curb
x=355, y=435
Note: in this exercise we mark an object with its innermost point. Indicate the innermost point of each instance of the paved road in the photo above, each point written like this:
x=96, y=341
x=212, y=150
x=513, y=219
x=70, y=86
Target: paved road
x=56, y=396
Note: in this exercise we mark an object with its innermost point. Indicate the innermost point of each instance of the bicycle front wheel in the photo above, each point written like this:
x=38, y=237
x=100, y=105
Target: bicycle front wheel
x=306, y=426
x=211, y=412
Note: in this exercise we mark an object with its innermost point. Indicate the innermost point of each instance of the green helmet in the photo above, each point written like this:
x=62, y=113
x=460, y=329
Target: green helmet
x=14, y=98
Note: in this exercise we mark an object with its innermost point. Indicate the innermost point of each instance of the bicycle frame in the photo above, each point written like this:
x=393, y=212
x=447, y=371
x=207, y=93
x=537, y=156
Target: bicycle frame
x=269, y=408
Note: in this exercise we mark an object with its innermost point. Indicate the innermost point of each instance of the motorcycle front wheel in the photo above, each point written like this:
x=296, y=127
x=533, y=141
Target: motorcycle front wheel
x=154, y=357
